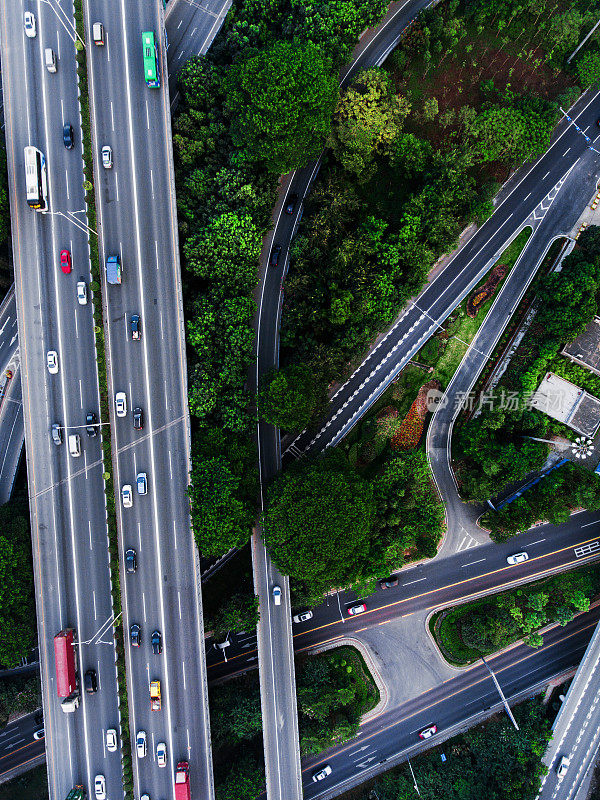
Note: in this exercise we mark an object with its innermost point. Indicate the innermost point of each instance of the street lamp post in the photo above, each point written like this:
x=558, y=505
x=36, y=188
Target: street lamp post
x=501, y=693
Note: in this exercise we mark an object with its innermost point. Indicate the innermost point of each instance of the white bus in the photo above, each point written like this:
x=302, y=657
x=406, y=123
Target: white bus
x=35, y=179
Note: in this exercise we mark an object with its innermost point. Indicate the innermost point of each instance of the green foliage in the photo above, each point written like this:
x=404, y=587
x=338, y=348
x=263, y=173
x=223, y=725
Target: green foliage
x=17, y=608
x=4, y=203
x=238, y=613
x=19, y=696
x=290, y=396
x=223, y=490
x=317, y=510
x=494, y=451
x=410, y=516
x=334, y=690
x=368, y=118
x=485, y=626
x=235, y=713
x=588, y=68
x=567, y=297
x=492, y=760
x=245, y=779
x=280, y=103
x=553, y=499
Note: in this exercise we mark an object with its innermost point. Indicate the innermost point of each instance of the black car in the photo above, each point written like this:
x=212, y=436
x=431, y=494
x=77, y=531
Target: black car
x=90, y=681
x=275, y=253
x=68, y=136
x=138, y=418
x=290, y=203
x=136, y=332
x=156, y=641
x=134, y=633
x=130, y=560
x=38, y=717
x=91, y=422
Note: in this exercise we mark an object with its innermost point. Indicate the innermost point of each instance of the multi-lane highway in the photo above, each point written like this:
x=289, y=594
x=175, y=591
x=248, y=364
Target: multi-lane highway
x=138, y=222
x=66, y=493
x=434, y=585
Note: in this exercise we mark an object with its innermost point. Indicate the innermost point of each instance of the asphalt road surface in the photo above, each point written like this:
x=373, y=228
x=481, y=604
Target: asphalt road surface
x=137, y=218
x=66, y=494
x=576, y=730
x=433, y=585
x=18, y=746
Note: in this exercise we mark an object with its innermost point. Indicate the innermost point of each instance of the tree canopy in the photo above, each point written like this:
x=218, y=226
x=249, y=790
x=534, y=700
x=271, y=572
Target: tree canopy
x=280, y=102
x=290, y=396
x=316, y=512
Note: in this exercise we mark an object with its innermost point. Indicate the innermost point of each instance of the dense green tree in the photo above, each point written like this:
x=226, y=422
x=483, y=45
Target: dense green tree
x=280, y=102
x=588, y=68
x=290, y=396
x=492, y=760
x=223, y=490
x=368, y=118
x=315, y=511
x=239, y=613
x=4, y=204
x=567, y=298
x=17, y=610
x=235, y=713
x=246, y=778
x=19, y=696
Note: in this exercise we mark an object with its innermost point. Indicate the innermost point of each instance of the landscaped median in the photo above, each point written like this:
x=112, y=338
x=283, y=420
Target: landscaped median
x=96, y=293
x=466, y=632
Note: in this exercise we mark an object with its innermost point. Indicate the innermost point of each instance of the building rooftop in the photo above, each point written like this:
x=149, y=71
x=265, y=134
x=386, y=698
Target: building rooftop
x=585, y=349
x=567, y=403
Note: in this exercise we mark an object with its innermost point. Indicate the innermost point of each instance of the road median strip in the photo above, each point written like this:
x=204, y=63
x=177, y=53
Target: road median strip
x=99, y=335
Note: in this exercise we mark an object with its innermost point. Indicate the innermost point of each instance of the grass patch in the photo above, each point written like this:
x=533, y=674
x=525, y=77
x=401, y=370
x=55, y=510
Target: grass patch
x=33, y=785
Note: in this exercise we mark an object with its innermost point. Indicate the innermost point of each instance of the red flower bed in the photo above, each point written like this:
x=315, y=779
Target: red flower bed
x=411, y=430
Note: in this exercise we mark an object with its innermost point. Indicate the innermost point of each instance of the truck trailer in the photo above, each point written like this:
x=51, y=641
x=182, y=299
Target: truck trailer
x=66, y=675
x=182, y=781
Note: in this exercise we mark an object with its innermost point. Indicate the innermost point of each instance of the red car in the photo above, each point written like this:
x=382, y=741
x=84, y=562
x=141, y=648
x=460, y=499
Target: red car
x=65, y=261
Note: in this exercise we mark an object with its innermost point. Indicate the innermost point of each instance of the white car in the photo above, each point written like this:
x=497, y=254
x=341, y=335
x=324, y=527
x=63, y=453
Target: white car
x=140, y=744
x=29, y=24
x=127, y=495
x=39, y=734
x=277, y=595
x=82, y=293
x=100, y=787
x=145, y=797
x=52, y=362
x=121, y=404
x=107, y=156
x=111, y=740
x=321, y=774
x=563, y=766
x=304, y=617
x=161, y=754
x=517, y=558
x=142, y=483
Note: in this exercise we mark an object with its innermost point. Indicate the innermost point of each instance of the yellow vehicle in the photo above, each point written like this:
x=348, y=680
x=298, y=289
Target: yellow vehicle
x=155, y=695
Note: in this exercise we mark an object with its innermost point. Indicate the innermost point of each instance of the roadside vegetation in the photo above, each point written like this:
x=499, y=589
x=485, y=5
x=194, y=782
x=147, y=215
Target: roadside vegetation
x=490, y=761
x=417, y=151
x=320, y=508
x=33, y=785
x=492, y=450
x=17, y=604
x=6, y=271
x=19, y=695
x=466, y=632
x=238, y=128
x=334, y=690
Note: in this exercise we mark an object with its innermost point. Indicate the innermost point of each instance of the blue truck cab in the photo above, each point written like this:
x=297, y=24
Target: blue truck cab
x=113, y=269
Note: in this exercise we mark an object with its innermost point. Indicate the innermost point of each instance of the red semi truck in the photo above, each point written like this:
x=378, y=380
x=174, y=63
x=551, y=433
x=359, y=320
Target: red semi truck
x=182, y=781
x=66, y=676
